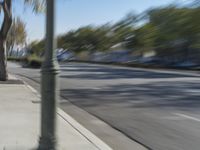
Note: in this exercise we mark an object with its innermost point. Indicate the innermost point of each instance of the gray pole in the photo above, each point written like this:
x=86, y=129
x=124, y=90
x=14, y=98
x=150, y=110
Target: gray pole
x=49, y=87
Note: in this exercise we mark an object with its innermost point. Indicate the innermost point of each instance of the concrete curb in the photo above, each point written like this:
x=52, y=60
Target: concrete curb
x=94, y=140
x=12, y=80
x=83, y=131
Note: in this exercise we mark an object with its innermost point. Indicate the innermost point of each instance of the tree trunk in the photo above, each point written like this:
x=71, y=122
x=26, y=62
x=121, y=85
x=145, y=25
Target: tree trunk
x=7, y=22
x=3, y=61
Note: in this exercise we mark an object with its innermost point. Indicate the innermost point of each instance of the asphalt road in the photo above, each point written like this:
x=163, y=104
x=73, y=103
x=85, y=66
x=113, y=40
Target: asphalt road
x=159, y=109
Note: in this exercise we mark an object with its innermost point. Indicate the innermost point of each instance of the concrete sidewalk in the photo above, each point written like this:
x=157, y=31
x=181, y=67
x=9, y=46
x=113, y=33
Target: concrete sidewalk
x=20, y=122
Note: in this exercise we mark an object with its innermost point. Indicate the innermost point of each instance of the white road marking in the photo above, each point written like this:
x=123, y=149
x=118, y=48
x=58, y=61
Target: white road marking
x=188, y=117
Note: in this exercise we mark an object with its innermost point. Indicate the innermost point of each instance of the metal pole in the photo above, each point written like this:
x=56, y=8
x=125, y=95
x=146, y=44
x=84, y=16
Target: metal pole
x=49, y=86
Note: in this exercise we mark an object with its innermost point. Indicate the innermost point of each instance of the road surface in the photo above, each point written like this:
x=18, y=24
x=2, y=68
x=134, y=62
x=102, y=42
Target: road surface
x=160, y=109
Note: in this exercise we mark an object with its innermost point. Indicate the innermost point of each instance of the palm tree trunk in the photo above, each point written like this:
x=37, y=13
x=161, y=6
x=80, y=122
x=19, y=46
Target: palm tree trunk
x=3, y=61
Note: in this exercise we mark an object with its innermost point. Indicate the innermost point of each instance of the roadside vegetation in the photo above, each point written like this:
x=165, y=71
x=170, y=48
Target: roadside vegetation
x=169, y=35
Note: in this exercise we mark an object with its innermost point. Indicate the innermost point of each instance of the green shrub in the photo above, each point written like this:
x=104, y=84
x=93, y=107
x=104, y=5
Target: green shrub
x=11, y=58
x=29, y=61
x=33, y=61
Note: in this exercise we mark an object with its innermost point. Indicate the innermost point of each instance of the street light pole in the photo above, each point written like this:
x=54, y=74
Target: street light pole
x=49, y=84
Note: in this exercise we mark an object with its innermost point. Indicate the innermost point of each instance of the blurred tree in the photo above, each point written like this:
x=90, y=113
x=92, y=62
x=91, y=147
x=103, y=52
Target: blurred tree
x=37, y=48
x=172, y=31
x=17, y=35
x=177, y=28
x=123, y=30
x=6, y=7
x=145, y=37
x=86, y=39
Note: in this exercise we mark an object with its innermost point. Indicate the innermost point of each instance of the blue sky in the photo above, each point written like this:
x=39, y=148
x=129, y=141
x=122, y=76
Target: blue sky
x=72, y=14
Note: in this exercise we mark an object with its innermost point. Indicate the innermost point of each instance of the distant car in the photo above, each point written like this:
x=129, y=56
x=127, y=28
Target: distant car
x=186, y=64
x=153, y=61
x=65, y=55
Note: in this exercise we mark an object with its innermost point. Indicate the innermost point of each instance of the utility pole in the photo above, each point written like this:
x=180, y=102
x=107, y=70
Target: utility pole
x=49, y=84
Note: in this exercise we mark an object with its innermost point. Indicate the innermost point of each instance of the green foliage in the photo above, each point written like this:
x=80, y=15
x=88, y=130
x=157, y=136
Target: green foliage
x=37, y=48
x=177, y=29
x=17, y=34
x=37, y=5
x=170, y=31
x=86, y=38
